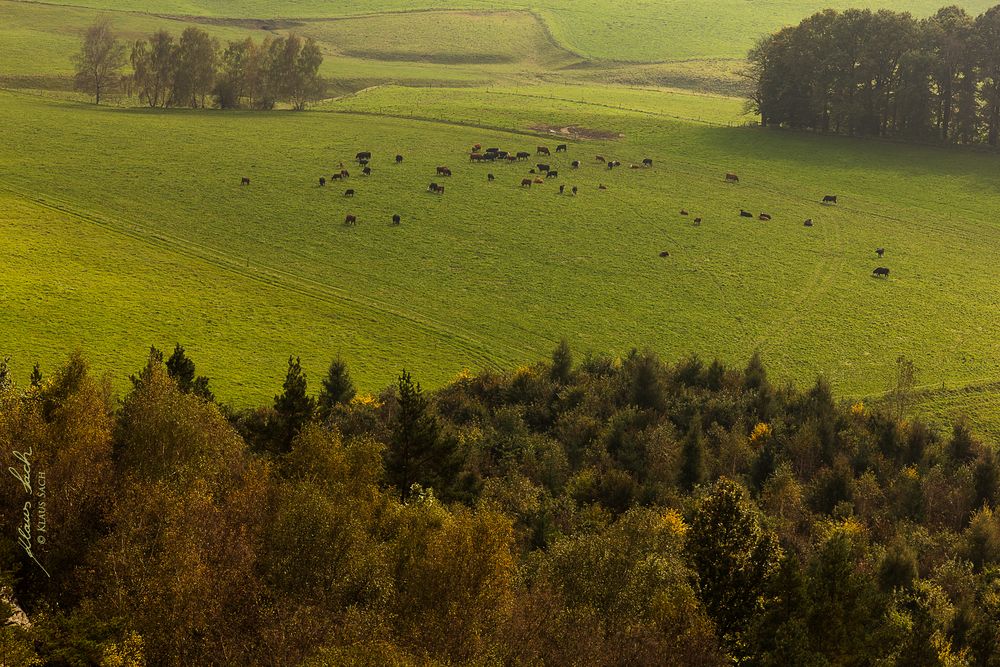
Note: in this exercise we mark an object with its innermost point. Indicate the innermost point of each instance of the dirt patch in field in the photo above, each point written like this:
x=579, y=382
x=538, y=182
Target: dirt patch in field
x=577, y=132
x=269, y=25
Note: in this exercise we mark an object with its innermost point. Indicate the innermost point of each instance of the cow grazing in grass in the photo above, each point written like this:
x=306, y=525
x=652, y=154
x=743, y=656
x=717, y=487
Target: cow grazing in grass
x=745, y=214
x=574, y=190
x=489, y=177
x=539, y=181
x=647, y=162
x=634, y=166
x=542, y=167
x=443, y=171
x=477, y=148
x=880, y=252
x=575, y=164
x=881, y=272
x=683, y=212
x=808, y=223
x=561, y=148
x=664, y=254
x=600, y=158
x=525, y=182
x=344, y=173
x=511, y=158
x=363, y=163
x=552, y=174
x=523, y=155
x=367, y=171
x=542, y=150
x=440, y=190
x=336, y=177
x=351, y=219
x=363, y=155
x=602, y=186
x=562, y=188
x=396, y=219
x=433, y=187
x=348, y=193
x=322, y=181
x=399, y=159
x=830, y=199
x=244, y=181
x=765, y=217
x=697, y=222
x=732, y=178
x=476, y=157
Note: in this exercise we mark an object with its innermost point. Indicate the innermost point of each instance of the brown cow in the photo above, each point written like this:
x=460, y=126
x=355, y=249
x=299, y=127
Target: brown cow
x=344, y=173
x=444, y=171
x=349, y=193
x=542, y=150
x=525, y=182
x=244, y=181
x=602, y=187
x=732, y=178
x=539, y=181
x=351, y=219
x=765, y=217
x=683, y=212
x=600, y=158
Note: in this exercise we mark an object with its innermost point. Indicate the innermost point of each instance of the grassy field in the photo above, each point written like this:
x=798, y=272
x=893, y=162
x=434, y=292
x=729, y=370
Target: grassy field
x=643, y=30
x=488, y=274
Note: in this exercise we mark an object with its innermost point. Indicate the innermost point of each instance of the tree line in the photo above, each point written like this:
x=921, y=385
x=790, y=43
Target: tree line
x=195, y=71
x=884, y=74
x=599, y=511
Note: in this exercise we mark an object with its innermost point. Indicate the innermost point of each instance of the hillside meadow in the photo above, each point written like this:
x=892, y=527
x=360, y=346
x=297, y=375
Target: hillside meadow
x=489, y=274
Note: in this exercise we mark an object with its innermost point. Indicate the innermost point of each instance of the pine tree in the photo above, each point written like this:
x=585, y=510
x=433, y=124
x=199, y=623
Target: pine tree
x=36, y=376
x=293, y=408
x=417, y=453
x=562, y=362
x=693, y=456
x=338, y=389
x=181, y=368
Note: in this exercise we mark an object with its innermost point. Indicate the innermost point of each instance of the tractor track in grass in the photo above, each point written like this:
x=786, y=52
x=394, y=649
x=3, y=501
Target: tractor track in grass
x=478, y=351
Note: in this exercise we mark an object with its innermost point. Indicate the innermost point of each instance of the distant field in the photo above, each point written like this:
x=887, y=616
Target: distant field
x=645, y=30
x=488, y=275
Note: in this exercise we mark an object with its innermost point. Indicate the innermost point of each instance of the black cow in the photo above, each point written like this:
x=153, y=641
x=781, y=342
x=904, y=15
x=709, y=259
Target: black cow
x=322, y=181
x=502, y=155
x=396, y=219
x=399, y=159
x=574, y=190
x=490, y=157
x=562, y=188
x=880, y=252
x=351, y=220
x=349, y=193
x=525, y=182
x=647, y=163
x=575, y=164
x=489, y=177
x=683, y=212
x=830, y=199
x=697, y=221
x=492, y=150
x=664, y=254
x=244, y=181
x=552, y=174
x=363, y=155
x=881, y=272
x=363, y=163
x=523, y=155
x=335, y=177
x=745, y=214
x=542, y=167
x=808, y=223
x=367, y=171
x=433, y=187
x=561, y=148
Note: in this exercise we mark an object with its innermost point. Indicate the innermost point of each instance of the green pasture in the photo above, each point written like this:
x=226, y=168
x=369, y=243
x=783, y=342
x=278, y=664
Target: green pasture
x=641, y=30
x=487, y=275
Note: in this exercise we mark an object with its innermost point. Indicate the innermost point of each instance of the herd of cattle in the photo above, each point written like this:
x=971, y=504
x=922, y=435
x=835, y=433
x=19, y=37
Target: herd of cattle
x=539, y=174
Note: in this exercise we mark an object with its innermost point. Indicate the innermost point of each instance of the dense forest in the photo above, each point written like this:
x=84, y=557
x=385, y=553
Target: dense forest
x=883, y=74
x=594, y=511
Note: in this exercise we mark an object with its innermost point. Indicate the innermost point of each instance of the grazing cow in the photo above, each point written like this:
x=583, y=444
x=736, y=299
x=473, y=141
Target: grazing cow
x=489, y=177
x=881, y=272
x=490, y=157
x=697, y=221
x=477, y=148
x=830, y=199
x=542, y=167
x=502, y=155
x=539, y=181
x=617, y=163
x=363, y=155
x=600, y=158
x=602, y=187
x=511, y=158
x=443, y=171
x=322, y=181
x=647, y=162
x=492, y=150
x=552, y=174
x=340, y=166
x=440, y=190
x=683, y=212
x=349, y=193
x=476, y=157
x=732, y=178
x=367, y=171
x=575, y=164
x=244, y=181
x=523, y=155
x=745, y=214
x=765, y=217
x=344, y=173
x=532, y=171
x=336, y=177
x=880, y=252
x=363, y=163
x=562, y=188
x=351, y=219
x=396, y=219
x=808, y=223
x=634, y=166
x=574, y=190
x=525, y=182
x=399, y=159
x=664, y=254
x=561, y=148
x=611, y=165
x=542, y=150
x=433, y=187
